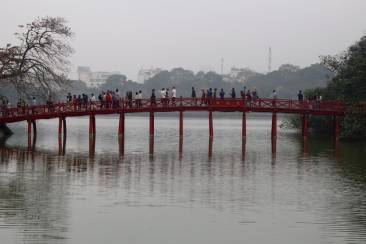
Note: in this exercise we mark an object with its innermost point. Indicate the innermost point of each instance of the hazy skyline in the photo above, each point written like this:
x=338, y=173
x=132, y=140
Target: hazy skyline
x=127, y=35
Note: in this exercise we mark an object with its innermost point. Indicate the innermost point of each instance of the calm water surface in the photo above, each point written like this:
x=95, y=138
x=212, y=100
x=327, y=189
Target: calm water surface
x=195, y=191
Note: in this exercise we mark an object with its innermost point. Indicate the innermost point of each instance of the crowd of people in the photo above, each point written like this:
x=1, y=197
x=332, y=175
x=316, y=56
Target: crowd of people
x=113, y=99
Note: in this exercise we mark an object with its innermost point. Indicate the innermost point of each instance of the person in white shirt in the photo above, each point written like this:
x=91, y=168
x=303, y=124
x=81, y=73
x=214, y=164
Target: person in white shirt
x=162, y=93
x=140, y=98
x=92, y=99
x=174, y=95
x=163, y=96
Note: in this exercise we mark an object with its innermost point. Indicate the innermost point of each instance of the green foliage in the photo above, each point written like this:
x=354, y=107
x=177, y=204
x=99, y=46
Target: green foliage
x=113, y=82
x=349, y=84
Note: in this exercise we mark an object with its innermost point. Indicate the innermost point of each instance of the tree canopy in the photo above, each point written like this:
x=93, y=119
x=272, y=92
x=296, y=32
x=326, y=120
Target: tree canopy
x=38, y=64
x=348, y=84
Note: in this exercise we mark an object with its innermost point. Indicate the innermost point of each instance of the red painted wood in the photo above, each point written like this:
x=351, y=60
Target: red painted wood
x=59, y=126
x=151, y=123
x=210, y=123
x=336, y=129
x=64, y=125
x=244, y=125
x=63, y=110
x=181, y=124
x=121, y=128
x=305, y=124
x=274, y=125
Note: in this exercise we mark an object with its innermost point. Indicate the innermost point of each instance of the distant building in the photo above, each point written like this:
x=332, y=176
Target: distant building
x=239, y=75
x=94, y=79
x=145, y=74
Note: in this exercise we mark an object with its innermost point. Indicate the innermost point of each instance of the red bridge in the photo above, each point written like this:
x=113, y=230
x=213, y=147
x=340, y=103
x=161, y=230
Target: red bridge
x=336, y=109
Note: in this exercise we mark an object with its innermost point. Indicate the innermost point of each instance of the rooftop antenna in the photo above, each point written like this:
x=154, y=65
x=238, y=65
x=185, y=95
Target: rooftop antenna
x=269, y=59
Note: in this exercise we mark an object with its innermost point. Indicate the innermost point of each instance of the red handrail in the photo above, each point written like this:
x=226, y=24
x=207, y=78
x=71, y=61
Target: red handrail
x=258, y=105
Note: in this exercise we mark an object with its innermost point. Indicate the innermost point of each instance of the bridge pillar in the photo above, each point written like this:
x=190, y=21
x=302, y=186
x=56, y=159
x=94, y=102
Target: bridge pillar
x=64, y=124
x=305, y=123
x=274, y=125
x=34, y=128
x=151, y=147
x=92, y=125
x=121, y=127
x=180, y=148
x=181, y=124
x=151, y=124
x=210, y=123
x=244, y=125
x=29, y=128
x=59, y=126
x=336, y=127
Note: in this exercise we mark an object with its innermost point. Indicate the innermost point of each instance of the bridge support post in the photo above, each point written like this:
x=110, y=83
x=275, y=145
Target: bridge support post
x=274, y=126
x=180, y=124
x=305, y=123
x=151, y=124
x=64, y=125
x=336, y=127
x=29, y=127
x=244, y=125
x=59, y=126
x=121, y=127
x=34, y=128
x=210, y=123
x=92, y=125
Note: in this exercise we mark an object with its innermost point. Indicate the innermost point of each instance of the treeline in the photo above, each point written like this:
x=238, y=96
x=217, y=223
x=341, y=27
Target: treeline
x=287, y=81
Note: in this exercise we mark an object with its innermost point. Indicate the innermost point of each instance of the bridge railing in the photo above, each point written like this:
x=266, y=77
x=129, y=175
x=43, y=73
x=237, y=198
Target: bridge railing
x=136, y=104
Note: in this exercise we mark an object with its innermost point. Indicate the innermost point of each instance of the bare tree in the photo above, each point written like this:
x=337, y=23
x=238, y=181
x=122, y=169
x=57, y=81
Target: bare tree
x=39, y=64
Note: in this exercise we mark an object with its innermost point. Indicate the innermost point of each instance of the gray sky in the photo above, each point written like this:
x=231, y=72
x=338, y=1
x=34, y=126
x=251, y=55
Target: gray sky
x=125, y=35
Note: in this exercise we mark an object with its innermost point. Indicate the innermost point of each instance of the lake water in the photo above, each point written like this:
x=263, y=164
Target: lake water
x=224, y=190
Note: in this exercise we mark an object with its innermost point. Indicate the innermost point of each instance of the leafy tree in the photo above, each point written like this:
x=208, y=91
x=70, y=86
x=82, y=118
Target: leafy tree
x=348, y=84
x=38, y=63
x=114, y=82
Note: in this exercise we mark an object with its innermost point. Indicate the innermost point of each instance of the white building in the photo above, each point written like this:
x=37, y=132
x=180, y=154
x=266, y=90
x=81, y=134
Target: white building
x=145, y=74
x=239, y=74
x=94, y=79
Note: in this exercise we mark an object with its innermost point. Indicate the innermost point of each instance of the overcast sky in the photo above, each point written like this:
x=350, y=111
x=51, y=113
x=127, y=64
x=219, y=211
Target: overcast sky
x=126, y=35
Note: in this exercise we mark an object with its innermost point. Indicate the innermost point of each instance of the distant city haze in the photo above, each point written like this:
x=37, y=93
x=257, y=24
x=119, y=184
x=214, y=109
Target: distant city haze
x=129, y=35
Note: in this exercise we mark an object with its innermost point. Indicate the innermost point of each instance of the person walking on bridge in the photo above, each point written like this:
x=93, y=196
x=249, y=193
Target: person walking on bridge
x=233, y=95
x=222, y=94
x=193, y=96
x=274, y=97
x=300, y=96
x=152, y=98
x=174, y=95
x=254, y=95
